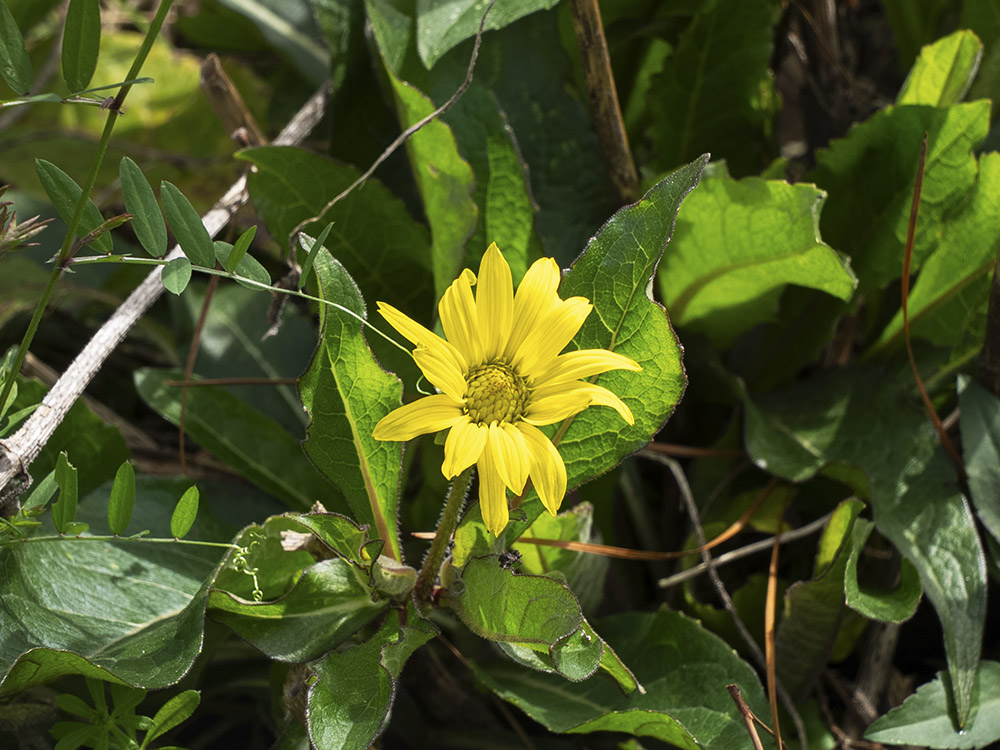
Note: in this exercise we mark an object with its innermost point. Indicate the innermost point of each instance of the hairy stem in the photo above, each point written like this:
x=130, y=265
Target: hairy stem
x=442, y=537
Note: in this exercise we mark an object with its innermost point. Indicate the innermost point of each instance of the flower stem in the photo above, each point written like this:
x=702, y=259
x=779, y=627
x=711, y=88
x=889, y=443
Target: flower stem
x=442, y=537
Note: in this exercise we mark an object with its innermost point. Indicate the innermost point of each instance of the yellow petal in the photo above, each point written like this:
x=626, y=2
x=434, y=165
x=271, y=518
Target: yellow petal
x=548, y=472
x=463, y=447
x=572, y=392
x=551, y=334
x=582, y=364
x=457, y=310
x=494, y=302
x=428, y=414
x=441, y=372
x=413, y=331
x=492, y=495
x=536, y=295
x=555, y=408
x=510, y=455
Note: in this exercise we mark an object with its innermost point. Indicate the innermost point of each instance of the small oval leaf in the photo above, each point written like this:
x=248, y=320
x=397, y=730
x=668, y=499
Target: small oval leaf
x=240, y=249
x=64, y=193
x=186, y=223
x=64, y=509
x=81, y=43
x=15, y=65
x=140, y=201
x=176, y=275
x=249, y=272
x=185, y=513
x=122, y=499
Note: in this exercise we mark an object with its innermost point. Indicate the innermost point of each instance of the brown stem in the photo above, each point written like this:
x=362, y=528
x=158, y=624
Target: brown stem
x=604, y=107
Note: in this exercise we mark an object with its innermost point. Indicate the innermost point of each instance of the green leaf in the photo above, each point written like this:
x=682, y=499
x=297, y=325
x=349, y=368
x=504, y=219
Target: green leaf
x=311, y=247
x=186, y=223
x=373, y=232
x=252, y=443
x=444, y=179
x=232, y=261
x=65, y=195
x=140, y=201
x=248, y=267
x=812, y=612
x=172, y=713
x=443, y=24
x=64, y=509
x=289, y=27
x=15, y=65
x=869, y=176
x=957, y=268
x=736, y=246
x=185, y=512
x=350, y=701
x=81, y=43
x=926, y=718
x=342, y=535
x=895, y=606
x=723, y=56
x=346, y=393
x=327, y=605
x=980, y=425
x=683, y=668
x=55, y=602
x=944, y=71
x=122, y=499
x=497, y=604
x=860, y=417
x=176, y=275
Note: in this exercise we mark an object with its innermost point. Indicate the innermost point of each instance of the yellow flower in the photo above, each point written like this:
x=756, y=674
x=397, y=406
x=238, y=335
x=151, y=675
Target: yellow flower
x=501, y=376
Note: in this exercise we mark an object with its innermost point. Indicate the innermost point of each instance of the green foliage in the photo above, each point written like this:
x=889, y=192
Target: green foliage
x=926, y=718
x=785, y=336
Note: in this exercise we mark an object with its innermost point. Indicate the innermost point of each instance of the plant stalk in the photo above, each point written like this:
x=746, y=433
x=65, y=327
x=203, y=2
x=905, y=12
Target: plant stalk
x=442, y=537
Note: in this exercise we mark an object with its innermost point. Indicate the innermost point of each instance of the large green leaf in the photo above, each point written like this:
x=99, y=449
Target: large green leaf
x=238, y=434
x=442, y=24
x=812, y=612
x=522, y=100
x=382, y=247
x=349, y=702
x=944, y=71
x=869, y=175
x=926, y=718
x=121, y=611
x=445, y=182
x=953, y=277
x=723, y=56
x=737, y=244
x=326, y=606
x=683, y=667
x=861, y=417
x=980, y=426
x=346, y=393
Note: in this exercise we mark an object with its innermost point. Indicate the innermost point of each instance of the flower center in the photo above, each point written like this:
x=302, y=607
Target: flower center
x=496, y=394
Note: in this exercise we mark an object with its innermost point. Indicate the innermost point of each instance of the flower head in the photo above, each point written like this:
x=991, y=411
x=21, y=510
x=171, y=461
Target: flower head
x=501, y=375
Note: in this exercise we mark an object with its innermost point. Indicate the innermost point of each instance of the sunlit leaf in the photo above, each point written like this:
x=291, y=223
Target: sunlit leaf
x=896, y=605
x=65, y=194
x=185, y=513
x=346, y=393
x=240, y=249
x=176, y=275
x=943, y=72
x=175, y=711
x=186, y=223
